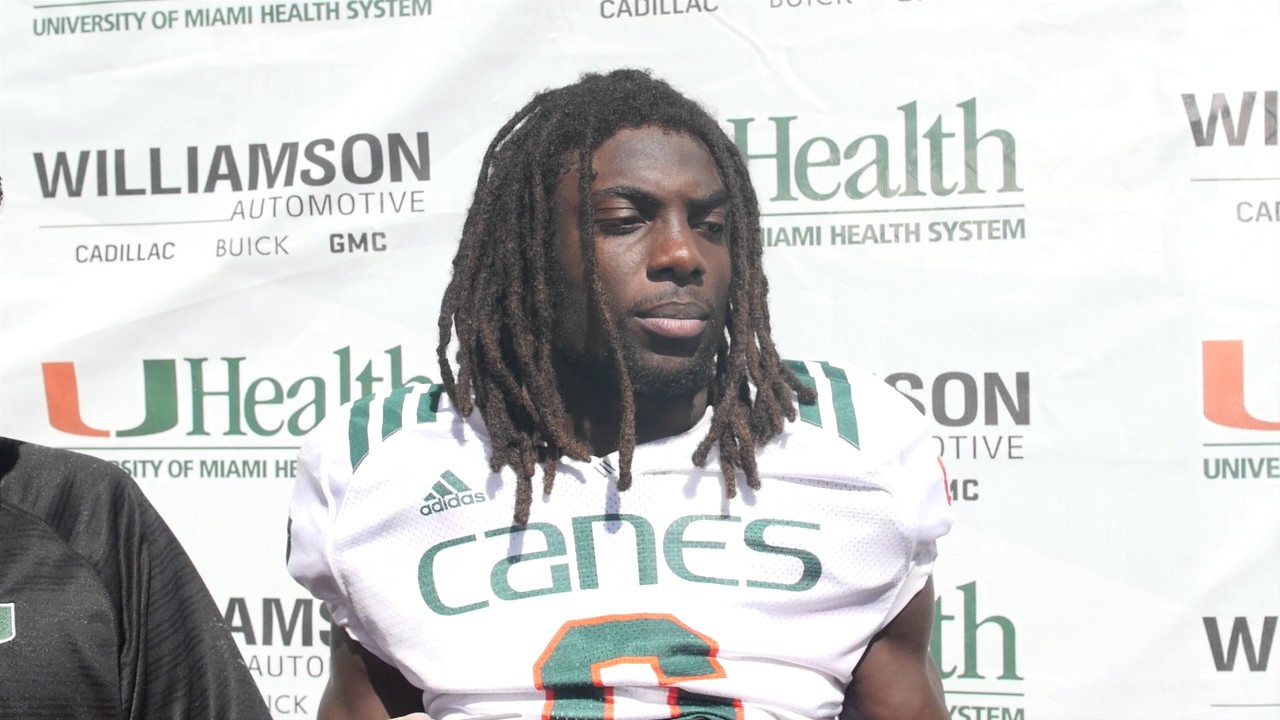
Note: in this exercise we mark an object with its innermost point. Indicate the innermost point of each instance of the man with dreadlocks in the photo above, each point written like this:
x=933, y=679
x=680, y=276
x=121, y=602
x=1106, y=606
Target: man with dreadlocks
x=718, y=532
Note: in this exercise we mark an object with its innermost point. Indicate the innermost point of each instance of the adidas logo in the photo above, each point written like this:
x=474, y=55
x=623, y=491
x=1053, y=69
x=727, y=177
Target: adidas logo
x=449, y=493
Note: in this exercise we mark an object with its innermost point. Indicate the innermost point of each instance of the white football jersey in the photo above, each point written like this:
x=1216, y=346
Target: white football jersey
x=662, y=601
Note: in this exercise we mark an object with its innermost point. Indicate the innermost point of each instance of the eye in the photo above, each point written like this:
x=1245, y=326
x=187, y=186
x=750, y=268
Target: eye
x=620, y=225
x=711, y=226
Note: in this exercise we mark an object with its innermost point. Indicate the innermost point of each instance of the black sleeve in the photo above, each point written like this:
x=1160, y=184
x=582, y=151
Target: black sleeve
x=185, y=663
x=131, y=585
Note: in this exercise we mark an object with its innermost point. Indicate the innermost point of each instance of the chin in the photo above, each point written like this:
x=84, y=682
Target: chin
x=672, y=376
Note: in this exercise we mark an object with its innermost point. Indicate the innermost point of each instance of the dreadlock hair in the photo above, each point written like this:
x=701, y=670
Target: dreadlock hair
x=499, y=299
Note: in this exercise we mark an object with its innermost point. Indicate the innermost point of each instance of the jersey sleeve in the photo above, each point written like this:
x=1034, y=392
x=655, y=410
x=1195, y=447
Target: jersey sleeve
x=894, y=443
x=324, y=475
x=918, y=480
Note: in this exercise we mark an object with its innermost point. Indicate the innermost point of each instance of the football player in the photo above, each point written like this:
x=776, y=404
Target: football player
x=620, y=502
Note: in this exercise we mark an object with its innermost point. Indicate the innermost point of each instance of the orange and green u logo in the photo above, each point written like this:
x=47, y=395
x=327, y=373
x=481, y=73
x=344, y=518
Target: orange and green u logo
x=160, y=391
x=1224, y=387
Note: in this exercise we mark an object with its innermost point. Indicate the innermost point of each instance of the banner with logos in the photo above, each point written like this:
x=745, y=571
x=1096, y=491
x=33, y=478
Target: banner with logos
x=1053, y=226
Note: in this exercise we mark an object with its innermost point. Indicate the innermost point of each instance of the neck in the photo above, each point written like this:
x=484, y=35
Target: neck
x=593, y=408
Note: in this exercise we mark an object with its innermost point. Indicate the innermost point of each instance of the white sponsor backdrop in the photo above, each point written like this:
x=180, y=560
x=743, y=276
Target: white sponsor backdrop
x=1055, y=239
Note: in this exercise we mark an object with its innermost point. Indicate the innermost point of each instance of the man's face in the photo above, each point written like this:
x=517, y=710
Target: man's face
x=662, y=256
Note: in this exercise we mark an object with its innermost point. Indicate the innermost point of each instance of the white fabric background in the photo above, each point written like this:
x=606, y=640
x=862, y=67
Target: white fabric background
x=1091, y=534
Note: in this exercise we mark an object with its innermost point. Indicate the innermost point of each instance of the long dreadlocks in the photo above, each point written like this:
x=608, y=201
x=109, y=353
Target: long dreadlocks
x=500, y=300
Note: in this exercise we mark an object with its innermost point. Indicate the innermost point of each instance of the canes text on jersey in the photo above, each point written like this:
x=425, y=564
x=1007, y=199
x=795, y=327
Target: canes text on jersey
x=804, y=566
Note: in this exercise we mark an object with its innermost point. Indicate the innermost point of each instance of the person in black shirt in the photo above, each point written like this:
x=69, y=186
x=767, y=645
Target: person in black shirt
x=102, y=614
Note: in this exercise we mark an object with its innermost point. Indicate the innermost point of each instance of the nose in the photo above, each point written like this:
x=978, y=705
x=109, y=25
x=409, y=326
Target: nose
x=675, y=255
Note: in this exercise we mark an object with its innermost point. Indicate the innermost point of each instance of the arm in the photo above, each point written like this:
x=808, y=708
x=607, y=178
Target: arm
x=897, y=678
x=363, y=687
x=177, y=656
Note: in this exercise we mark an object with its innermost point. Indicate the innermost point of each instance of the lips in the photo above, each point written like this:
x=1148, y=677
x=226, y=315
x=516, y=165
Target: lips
x=677, y=320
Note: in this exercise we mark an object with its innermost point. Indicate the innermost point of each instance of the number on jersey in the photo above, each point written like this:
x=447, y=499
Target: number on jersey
x=569, y=670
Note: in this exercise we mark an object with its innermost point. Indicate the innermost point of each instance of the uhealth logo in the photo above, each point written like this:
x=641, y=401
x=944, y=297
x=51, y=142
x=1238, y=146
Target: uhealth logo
x=262, y=406
x=1224, y=387
x=449, y=493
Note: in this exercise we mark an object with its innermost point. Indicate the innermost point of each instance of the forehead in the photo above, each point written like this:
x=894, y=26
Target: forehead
x=654, y=158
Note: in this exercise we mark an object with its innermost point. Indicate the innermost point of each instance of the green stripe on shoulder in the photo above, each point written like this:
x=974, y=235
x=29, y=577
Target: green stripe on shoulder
x=392, y=415
x=808, y=413
x=358, y=430
x=393, y=411
x=841, y=399
x=429, y=404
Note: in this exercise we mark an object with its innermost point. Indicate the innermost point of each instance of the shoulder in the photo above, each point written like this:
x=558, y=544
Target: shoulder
x=21, y=461
x=857, y=410
x=85, y=510
x=61, y=487
x=864, y=432
x=359, y=442
x=360, y=432
x=345, y=458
